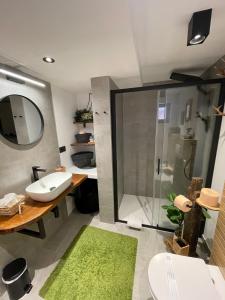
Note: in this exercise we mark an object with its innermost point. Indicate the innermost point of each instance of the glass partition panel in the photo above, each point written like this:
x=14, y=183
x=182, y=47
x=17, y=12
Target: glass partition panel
x=186, y=140
x=162, y=138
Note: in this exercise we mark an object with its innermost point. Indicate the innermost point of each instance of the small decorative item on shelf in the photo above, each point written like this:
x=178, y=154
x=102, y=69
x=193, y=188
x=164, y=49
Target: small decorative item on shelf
x=11, y=204
x=60, y=169
x=91, y=139
x=84, y=115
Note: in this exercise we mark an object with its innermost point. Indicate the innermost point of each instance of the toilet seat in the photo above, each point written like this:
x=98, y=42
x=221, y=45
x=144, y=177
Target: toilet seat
x=176, y=277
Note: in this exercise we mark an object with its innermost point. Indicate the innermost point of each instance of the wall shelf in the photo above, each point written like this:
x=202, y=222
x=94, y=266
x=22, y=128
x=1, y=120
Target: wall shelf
x=83, y=123
x=83, y=144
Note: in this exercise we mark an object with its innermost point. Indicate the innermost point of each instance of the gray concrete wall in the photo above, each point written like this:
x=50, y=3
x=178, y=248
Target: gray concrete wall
x=101, y=87
x=15, y=172
x=139, y=123
x=15, y=165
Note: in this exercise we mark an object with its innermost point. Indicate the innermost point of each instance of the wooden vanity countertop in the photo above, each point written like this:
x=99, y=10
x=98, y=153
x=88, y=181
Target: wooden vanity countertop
x=32, y=210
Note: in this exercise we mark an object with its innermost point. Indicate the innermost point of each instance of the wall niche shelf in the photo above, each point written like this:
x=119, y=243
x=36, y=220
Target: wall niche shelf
x=83, y=144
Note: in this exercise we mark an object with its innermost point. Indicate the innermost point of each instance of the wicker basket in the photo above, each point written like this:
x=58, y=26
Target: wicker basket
x=13, y=206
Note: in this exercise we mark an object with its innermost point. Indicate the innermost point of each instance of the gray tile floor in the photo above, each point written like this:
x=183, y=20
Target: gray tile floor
x=150, y=242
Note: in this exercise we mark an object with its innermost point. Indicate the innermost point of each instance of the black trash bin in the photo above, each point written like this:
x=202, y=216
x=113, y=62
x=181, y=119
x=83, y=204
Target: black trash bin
x=16, y=277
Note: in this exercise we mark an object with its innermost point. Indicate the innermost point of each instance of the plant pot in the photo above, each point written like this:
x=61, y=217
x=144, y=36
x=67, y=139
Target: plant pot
x=83, y=137
x=82, y=159
x=178, y=233
x=180, y=246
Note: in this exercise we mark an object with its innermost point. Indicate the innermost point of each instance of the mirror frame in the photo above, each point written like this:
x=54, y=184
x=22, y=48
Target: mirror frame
x=24, y=146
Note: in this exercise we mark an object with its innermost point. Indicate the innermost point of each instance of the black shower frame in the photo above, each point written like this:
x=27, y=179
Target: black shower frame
x=214, y=145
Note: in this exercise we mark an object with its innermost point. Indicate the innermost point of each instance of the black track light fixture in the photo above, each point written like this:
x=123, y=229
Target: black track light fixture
x=184, y=77
x=199, y=27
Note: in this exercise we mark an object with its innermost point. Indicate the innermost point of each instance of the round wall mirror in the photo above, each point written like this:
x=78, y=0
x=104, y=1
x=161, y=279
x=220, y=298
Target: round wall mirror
x=21, y=121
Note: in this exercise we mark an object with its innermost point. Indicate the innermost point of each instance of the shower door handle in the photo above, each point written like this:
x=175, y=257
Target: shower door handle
x=158, y=166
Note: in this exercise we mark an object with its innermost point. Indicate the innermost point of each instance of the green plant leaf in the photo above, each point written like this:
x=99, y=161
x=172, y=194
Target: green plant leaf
x=165, y=206
x=171, y=197
x=173, y=219
x=174, y=196
x=205, y=213
x=173, y=210
x=175, y=215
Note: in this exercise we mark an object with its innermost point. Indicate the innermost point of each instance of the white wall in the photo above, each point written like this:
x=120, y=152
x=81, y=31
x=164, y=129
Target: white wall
x=64, y=105
x=82, y=99
x=217, y=183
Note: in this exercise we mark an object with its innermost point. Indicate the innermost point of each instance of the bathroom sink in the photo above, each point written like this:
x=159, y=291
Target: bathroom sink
x=49, y=187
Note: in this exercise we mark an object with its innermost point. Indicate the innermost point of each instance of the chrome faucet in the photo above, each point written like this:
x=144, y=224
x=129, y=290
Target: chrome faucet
x=35, y=170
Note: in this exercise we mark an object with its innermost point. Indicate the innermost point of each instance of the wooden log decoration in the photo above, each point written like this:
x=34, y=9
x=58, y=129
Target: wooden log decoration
x=192, y=219
x=218, y=111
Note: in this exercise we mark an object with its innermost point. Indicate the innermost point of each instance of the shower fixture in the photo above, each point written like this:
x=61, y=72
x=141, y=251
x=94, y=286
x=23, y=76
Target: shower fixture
x=205, y=120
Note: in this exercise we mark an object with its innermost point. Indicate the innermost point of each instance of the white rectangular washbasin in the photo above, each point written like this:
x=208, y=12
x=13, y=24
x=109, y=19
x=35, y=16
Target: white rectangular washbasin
x=49, y=187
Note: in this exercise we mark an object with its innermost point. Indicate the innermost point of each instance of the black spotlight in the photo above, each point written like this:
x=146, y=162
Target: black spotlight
x=199, y=27
x=184, y=77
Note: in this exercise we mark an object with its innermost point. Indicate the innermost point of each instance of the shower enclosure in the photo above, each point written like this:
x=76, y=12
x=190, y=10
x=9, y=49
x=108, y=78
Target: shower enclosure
x=162, y=136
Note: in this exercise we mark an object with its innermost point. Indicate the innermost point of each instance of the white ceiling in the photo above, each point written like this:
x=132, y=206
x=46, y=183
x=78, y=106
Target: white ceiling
x=160, y=35
x=133, y=41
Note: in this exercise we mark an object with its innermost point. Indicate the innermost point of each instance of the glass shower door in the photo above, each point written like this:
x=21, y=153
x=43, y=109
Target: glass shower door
x=135, y=114
x=185, y=127
x=162, y=114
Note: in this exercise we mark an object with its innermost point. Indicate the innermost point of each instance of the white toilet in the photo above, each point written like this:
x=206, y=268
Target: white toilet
x=176, y=277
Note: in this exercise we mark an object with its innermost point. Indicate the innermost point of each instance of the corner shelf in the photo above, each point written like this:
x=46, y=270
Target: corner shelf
x=82, y=144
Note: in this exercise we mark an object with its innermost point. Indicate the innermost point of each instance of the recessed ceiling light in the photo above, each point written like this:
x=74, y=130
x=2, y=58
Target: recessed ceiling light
x=48, y=59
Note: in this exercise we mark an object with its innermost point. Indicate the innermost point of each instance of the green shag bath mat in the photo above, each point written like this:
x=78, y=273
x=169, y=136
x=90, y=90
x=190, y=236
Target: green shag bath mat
x=98, y=265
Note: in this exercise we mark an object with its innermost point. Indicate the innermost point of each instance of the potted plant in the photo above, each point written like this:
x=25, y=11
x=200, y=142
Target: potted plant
x=176, y=216
x=173, y=213
x=84, y=115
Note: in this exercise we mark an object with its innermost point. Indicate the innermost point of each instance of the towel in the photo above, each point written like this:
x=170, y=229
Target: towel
x=134, y=221
x=8, y=200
